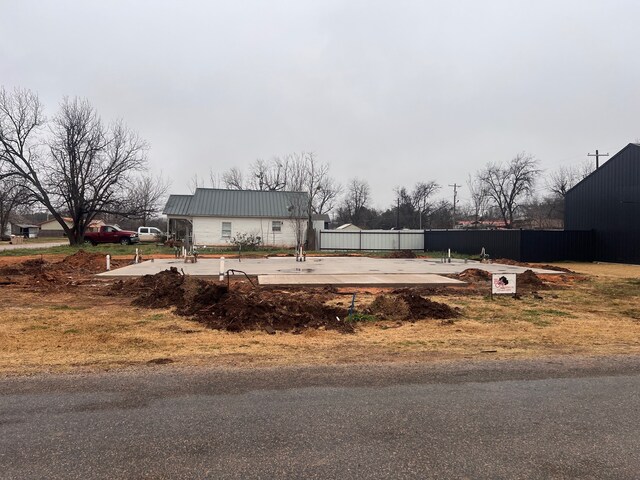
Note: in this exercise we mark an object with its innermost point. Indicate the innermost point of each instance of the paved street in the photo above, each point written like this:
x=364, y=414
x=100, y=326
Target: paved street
x=528, y=419
x=32, y=245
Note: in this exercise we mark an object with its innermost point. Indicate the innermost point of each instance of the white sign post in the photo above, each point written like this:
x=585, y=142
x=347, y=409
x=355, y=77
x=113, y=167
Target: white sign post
x=503, y=284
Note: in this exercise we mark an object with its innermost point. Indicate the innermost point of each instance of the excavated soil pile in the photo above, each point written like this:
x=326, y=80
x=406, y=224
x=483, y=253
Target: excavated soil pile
x=241, y=308
x=401, y=254
x=28, y=267
x=529, y=279
x=421, y=307
x=85, y=263
x=40, y=273
x=407, y=305
x=474, y=275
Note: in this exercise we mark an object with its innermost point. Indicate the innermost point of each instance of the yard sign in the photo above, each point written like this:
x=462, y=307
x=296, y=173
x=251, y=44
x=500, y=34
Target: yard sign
x=503, y=283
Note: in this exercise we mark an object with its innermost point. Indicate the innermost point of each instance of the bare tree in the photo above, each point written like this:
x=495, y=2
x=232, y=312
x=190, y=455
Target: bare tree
x=147, y=195
x=85, y=168
x=564, y=178
x=421, y=196
x=326, y=195
x=479, y=197
x=195, y=182
x=507, y=185
x=12, y=196
x=268, y=175
x=298, y=217
x=356, y=199
x=215, y=179
x=233, y=179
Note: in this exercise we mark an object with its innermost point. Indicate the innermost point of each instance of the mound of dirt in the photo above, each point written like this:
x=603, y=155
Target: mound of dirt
x=407, y=305
x=28, y=267
x=85, y=262
x=506, y=261
x=530, y=280
x=420, y=307
x=389, y=307
x=552, y=268
x=257, y=309
x=80, y=262
x=401, y=254
x=238, y=309
x=474, y=275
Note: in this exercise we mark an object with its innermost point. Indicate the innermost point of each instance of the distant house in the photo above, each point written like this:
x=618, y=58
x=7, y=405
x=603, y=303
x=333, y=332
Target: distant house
x=21, y=227
x=52, y=228
x=320, y=222
x=214, y=216
x=349, y=227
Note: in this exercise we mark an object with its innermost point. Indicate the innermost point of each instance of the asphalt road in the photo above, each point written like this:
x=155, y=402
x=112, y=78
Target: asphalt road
x=538, y=419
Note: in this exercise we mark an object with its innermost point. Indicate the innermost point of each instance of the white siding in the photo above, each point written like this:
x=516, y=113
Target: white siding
x=208, y=230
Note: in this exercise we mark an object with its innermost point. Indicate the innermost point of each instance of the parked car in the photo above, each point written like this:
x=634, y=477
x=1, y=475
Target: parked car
x=150, y=234
x=111, y=234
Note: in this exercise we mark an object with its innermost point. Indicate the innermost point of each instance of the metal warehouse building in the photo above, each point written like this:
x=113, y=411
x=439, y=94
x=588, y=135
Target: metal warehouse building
x=608, y=203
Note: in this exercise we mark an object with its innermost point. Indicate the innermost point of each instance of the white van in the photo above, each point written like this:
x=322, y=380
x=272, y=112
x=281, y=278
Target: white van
x=149, y=234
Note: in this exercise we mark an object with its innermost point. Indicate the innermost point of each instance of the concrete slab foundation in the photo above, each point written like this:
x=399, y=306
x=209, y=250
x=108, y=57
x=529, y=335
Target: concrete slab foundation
x=384, y=279
x=354, y=270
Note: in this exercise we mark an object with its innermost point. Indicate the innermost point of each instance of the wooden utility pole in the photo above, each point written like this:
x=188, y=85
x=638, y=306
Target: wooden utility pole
x=597, y=155
x=455, y=200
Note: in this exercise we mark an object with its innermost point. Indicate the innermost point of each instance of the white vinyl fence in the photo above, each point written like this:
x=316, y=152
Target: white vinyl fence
x=371, y=240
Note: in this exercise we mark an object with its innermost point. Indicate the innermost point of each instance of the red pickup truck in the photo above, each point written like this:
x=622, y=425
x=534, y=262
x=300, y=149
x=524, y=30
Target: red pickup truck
x=111, y=234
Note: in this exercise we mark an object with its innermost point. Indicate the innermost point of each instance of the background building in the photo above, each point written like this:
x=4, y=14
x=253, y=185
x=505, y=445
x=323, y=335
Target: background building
x=608, y=202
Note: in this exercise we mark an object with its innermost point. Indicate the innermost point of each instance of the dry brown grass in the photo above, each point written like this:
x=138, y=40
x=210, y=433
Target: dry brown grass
x=84, y=329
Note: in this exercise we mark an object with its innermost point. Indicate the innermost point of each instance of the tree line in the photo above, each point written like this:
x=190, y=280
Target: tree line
x=75, y=165
x=507, y=194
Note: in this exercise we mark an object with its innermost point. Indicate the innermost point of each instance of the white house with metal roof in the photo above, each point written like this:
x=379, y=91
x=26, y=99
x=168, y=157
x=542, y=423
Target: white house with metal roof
x=213, y=217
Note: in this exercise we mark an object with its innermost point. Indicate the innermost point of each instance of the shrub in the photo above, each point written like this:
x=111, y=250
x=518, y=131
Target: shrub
x=246, y=241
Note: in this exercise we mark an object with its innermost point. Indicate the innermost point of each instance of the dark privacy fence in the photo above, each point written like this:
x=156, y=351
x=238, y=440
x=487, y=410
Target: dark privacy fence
x=521, y=245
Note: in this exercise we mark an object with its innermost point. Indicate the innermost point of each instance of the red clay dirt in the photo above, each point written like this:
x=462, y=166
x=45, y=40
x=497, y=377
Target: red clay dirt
x=40, y=273
x=401, y=254
x=506, y=261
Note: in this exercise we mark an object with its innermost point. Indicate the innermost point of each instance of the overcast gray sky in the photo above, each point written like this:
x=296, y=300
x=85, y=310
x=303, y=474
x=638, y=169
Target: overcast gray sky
x=393, y=92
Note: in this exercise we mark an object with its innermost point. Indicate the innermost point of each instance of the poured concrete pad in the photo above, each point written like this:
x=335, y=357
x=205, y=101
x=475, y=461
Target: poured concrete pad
x=364, y=266
x=386, y=279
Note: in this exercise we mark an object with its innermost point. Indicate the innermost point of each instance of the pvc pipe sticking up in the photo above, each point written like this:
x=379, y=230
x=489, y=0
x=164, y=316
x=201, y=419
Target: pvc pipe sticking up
x=108, y=262
x=137, y=256
x=221, y=269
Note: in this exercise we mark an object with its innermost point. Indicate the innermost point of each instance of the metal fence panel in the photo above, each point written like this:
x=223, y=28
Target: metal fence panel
x=497, y=243
x=372, y=240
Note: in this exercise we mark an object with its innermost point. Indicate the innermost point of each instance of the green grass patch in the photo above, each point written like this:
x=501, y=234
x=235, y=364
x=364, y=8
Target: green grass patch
x=67, y=307
x=360, y=317
x=622, y=289
x=534, y=317
x=71, y=331
x=155, y=316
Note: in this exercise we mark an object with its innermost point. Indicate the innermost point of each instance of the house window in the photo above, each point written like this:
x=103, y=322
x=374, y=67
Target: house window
x=276, y=226
x=226, y=229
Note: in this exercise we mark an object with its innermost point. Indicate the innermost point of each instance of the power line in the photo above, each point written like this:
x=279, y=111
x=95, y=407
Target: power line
x=597, y=155
x=455, y=200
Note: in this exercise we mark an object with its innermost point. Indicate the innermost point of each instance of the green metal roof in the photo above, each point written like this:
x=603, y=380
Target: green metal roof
x=212, y=202
x=178, y=205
